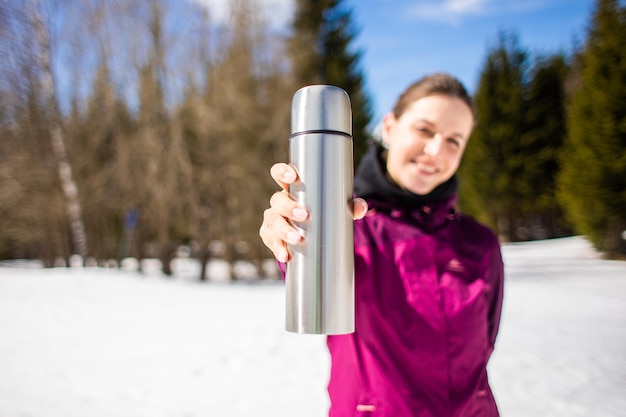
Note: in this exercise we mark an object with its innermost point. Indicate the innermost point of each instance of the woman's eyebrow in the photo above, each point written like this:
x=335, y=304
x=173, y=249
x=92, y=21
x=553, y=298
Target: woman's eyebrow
x=428, y=122
x=458, y=135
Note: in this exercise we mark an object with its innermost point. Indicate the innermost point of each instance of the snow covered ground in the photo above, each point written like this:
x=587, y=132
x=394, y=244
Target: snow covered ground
x=100, y=343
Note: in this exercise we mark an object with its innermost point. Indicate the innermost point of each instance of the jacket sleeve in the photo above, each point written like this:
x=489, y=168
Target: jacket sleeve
x=282, y=268
x=496, y=279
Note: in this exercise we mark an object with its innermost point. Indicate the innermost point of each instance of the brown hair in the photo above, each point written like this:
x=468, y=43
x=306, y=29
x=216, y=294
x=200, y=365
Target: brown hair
x=437, y=83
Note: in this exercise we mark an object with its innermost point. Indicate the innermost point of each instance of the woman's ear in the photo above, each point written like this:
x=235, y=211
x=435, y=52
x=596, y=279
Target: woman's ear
x=387, y=125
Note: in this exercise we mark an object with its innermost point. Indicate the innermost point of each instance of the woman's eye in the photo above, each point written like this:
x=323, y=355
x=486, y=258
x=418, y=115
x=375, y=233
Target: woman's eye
x=425, y=131
x=454, y=142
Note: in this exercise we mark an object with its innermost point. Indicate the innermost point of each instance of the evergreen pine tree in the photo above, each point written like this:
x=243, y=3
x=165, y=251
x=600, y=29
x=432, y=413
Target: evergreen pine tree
x=321, y=54
x=493, y=162
x=542, y=142
x=592, y=183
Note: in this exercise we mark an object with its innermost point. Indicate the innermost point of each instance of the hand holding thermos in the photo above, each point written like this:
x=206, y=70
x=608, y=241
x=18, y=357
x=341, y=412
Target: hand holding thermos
x=309, y=223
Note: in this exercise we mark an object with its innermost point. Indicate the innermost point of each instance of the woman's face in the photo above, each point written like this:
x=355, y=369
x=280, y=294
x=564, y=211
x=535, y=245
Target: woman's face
x=426, y=143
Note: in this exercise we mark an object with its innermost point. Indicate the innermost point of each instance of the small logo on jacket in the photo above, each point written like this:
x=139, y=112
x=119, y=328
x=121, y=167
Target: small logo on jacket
x=455, y=266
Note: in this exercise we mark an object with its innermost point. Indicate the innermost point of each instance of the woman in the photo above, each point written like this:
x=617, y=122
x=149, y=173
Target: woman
x=428, y=279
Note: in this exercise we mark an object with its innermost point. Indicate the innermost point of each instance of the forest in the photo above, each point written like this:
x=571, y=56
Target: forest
x=143, y=129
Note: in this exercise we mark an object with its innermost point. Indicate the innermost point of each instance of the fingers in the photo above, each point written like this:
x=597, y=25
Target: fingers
x=283, y=204
x=284, y=175
x=276, y=230
x=274, y=233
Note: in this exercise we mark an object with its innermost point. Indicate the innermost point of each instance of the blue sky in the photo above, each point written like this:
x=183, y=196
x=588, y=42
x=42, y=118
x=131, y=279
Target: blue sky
x=402, y=40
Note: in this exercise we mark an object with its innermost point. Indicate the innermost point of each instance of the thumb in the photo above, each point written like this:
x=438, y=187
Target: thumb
x=359, y=208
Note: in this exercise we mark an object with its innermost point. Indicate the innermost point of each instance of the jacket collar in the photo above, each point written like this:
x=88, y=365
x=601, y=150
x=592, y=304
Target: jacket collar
x=428, y=216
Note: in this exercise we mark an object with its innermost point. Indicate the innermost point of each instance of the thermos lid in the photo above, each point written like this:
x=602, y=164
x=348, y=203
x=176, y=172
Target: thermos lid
x=321, y=108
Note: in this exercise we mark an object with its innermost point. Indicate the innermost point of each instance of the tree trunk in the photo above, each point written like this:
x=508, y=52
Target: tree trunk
x=70, y=191
x=166, y=256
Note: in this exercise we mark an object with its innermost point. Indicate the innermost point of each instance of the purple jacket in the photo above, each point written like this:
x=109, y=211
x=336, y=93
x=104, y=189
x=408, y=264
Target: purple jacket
x=428, y=300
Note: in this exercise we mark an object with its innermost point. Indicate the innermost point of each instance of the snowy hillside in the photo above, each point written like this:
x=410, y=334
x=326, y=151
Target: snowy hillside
x=99, y=343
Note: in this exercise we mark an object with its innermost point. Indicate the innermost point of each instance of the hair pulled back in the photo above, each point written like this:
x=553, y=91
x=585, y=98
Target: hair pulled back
x=438, y=83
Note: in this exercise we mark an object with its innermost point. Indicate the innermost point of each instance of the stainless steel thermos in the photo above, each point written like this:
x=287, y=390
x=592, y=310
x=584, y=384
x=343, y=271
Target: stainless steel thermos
x=320, y=277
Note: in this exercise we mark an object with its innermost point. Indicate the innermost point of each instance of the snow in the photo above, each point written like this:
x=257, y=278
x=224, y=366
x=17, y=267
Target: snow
x=91, y=342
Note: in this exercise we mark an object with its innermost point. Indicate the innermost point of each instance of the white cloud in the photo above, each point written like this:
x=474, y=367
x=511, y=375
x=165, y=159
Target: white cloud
x=277, y=12
x=465, y=6
x=453, y=11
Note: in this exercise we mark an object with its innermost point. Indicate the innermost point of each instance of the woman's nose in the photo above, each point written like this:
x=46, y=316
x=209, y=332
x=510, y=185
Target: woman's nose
x=433, y=145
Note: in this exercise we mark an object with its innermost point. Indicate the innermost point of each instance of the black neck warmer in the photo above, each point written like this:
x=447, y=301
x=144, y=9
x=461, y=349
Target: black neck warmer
x=371, y=181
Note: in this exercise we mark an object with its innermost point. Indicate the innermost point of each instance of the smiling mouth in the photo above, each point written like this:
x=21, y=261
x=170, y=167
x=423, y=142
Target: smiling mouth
x=424, y=168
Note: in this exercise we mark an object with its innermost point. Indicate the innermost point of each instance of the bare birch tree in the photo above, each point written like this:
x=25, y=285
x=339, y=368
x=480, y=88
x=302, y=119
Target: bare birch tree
x=64, y=168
